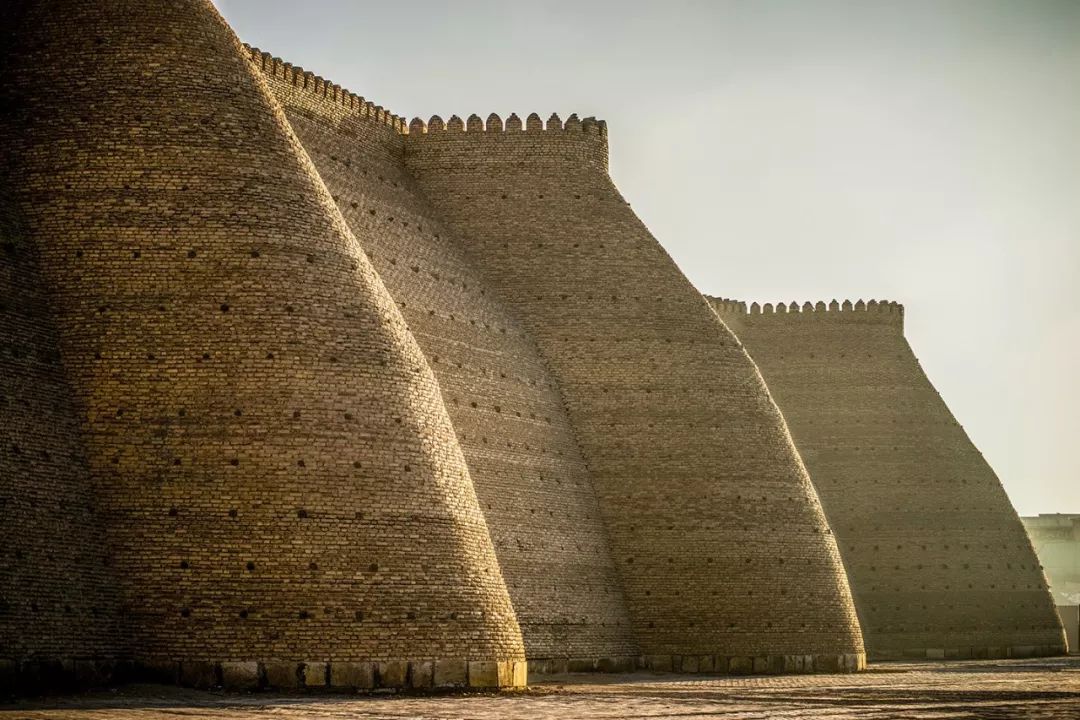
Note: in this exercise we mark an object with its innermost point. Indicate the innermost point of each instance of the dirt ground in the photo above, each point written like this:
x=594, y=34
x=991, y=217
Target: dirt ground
x=1046, y=688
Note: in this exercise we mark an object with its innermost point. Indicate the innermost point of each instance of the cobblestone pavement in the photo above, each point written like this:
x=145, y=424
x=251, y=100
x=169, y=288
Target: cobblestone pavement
x=977, y=689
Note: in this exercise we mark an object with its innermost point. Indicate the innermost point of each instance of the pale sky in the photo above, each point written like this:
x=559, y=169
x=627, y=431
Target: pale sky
x=923, y=152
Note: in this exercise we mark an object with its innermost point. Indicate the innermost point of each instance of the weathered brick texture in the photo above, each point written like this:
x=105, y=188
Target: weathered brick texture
x=56, y=590
x=938, y=560
x=278, y=475
x=526, y=466
x=720, y=541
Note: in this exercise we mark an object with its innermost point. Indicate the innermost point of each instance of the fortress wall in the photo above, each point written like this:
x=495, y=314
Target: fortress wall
x=937, y=558
x=281, y=480
x=528, y=471
x=57, y=605
x=726, y=559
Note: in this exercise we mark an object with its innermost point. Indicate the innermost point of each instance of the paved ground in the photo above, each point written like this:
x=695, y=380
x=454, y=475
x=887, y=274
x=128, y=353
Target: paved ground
x=977, y=689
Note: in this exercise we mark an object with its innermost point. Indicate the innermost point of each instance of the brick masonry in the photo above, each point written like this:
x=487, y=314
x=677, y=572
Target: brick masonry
x=56, y=583
x=719, y=538
x=279, y=477
x=298, y=395
x=939, y=562
x=536, y=494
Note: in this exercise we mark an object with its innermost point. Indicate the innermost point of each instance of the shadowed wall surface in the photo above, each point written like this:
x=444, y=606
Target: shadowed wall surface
x=724, y=552
x=536, y=494
x=57, y=599
x=939, y=562
x=281, y=478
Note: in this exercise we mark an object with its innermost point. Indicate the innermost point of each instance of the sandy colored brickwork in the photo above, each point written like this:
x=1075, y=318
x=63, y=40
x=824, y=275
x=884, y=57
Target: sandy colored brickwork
x=711, y=516
x=939, y=562
x=526, y=466
x=56, y=596
x=279, y=477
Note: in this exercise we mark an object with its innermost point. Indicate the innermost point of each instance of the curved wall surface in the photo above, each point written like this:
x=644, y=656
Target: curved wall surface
x=726, y=559
x=939, y=563
x=282, y=481
x=536, y=494
x=58, y=607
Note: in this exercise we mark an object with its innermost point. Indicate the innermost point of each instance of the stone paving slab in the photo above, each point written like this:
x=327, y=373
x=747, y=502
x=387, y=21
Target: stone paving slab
x=977, y=690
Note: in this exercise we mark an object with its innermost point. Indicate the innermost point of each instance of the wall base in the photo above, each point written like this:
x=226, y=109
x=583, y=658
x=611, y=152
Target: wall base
x=560, y=666
x=756, y=665
x=715, y=664
x=970, y=653
x=37, y=677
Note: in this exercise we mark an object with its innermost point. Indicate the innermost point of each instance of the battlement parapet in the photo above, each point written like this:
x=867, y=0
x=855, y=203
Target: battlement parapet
x=580, y=138
x=298, y=77
x=303, y=79
x=580, y=142
x=494, y=124
x=872, y=312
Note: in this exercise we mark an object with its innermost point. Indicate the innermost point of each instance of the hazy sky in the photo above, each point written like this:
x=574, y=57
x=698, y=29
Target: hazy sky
x=924, y=152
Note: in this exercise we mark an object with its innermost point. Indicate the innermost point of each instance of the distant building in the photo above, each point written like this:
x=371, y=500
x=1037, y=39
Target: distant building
x=1056, y=537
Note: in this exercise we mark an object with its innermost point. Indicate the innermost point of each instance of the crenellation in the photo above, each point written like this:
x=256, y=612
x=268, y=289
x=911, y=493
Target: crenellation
x=322, y=88
x=494, y=124
x=883, y=312
x=553, y=145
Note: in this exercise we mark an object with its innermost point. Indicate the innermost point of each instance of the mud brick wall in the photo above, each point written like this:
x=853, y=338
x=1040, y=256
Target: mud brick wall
x=57, y=603
x=295, y=394
x=938, y=560
x=528, y=471
x=280, y=477
x=720, y=541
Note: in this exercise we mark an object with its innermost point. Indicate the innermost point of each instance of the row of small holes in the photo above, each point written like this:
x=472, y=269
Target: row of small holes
x=250, y=566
